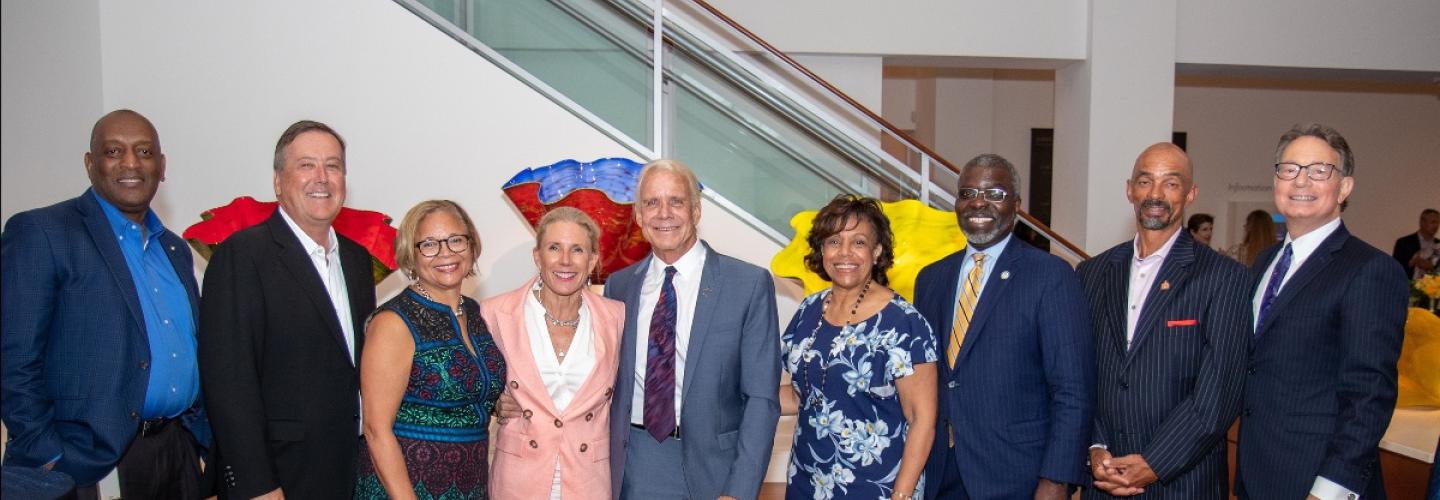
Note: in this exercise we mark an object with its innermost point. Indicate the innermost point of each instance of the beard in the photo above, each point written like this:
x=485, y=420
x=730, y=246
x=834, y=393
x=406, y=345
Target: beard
x=1154, y=223
x=998, y=229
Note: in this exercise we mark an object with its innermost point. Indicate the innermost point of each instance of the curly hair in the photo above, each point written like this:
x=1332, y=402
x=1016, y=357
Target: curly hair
x=837, y=216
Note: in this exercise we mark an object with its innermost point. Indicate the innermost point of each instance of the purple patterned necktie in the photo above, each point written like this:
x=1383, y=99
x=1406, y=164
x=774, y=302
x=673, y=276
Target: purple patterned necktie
x=1273, y=289
x=660, y=366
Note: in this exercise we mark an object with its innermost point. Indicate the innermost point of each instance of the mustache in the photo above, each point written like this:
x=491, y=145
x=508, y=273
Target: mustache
x=982, y=212
x=1156, y=204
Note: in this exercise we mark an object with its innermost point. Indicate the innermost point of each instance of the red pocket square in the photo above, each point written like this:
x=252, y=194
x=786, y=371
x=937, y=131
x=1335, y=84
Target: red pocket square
x=1181, y=322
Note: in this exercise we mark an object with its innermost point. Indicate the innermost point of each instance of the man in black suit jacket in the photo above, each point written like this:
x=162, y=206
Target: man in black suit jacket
x=1172, y=323
x=281, y=327
x=1419, y=252
x=1330, y=315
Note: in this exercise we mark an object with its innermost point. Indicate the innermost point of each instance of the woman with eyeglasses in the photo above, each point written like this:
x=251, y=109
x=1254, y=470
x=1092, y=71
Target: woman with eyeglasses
x=563, y=342
x=429, y=371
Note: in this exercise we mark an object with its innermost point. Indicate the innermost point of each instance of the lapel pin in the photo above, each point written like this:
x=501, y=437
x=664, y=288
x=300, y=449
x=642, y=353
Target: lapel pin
x=1165, y=285
x=1004, y=275
x=172, y=248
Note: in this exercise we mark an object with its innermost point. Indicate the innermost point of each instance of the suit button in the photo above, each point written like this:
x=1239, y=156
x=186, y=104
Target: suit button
x=559, y=424
x=514, y=384
x=609, y=391
x=527, y=414
x=589, y=416
x=534, y=444
x=134, y=415
x=584, y=447
x=1246, y=412
x=144, y=365
x=1124, y=386
x=1250, y=371
x=952, y=384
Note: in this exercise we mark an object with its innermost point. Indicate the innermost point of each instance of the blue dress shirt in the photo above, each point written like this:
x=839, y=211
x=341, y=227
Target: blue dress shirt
x=169, y=324
x=992, y=255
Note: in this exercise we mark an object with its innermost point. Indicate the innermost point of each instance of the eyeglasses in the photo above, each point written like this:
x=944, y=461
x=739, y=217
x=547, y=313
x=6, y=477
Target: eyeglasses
x=993, y=195
x=430, y=247
x=1317, y=171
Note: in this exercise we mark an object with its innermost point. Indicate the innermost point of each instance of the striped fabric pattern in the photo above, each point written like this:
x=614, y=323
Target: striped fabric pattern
x=965, y=309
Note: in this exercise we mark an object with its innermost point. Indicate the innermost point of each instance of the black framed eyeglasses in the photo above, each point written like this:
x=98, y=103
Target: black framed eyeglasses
x=1286, y=171
x=993, y=195
x=430, y=247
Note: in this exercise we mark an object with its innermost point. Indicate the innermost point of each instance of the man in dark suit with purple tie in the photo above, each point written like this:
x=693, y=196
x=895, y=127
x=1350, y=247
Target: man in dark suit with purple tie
x=1330, y=314
x=1172, y=325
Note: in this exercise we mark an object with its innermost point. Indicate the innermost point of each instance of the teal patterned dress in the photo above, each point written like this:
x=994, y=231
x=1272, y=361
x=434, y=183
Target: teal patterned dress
x=850, y=433
x=443, y=420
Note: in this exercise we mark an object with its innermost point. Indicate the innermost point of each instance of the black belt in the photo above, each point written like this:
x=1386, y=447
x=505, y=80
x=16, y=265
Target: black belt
x=675, y=434
x=154, y=426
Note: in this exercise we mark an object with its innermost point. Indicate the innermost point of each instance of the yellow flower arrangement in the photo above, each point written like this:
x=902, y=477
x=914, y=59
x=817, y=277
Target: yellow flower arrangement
x=1429, y=285
x=923, y=235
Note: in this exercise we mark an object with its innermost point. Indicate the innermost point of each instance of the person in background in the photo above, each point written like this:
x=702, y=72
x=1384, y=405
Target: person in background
x=1017, y=382
x=1259, y=235
x=862, y=367
x=1201, y=227
x=1172, y=326
x=561, y=343
x=1419, y=252
x=430, y=371
x=281, y=329
x=1329, y=321
x=98, y=345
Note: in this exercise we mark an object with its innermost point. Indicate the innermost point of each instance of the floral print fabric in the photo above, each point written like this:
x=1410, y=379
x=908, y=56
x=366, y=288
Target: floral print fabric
x=850, y=433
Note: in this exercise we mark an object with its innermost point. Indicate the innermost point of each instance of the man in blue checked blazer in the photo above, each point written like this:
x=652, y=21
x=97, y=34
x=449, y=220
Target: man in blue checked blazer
x=1172, y=324
x=1017, y=379
x=1330, y=317
x=99, y=314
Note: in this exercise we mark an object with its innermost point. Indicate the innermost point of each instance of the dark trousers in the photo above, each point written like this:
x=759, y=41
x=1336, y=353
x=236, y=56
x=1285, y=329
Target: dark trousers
x=951, y=487
x=161, y=465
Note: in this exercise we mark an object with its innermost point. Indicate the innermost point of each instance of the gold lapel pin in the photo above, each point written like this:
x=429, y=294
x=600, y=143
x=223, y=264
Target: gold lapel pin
x=1004, y=275
x=1165, y=285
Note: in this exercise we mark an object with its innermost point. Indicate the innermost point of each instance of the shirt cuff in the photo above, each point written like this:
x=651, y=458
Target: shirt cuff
x=1101, y=446
x=1325, y=489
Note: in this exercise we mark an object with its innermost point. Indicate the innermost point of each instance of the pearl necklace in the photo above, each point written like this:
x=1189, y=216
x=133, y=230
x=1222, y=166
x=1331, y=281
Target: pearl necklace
x=426, y=293
x=815, y=397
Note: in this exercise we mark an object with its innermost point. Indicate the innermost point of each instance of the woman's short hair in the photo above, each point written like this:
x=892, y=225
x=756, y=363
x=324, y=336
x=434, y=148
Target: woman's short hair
x=405, y=250
x=1198, y=220
x=569, y=214
x=837, y=217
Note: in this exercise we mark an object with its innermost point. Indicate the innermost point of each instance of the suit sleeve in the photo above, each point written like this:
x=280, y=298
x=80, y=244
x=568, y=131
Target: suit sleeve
x=1086, y=271
x=759, y=383
x=1194, y=426
x=1069, y=363
x=1372, y=328
x=30, y=282
x=231, y=333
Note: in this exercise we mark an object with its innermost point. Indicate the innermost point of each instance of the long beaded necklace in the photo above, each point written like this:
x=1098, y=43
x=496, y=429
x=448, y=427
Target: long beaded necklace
x=815, y=396
x=426, y=293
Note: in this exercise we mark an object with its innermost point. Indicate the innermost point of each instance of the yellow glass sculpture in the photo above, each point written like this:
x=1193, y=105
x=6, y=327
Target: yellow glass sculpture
x=923, y=235
x=1419, y=380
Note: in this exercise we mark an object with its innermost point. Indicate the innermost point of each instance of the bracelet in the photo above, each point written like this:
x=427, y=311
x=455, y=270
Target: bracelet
x=902, y=496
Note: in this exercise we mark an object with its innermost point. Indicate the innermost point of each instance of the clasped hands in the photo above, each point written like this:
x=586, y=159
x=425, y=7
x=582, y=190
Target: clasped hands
x=1120, y=476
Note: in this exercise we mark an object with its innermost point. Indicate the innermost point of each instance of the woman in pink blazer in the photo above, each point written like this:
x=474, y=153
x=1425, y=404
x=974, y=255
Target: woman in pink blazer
x=561, y=345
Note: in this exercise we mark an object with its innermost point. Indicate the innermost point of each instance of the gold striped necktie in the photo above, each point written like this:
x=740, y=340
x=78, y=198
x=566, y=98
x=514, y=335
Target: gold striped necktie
x=965, y=309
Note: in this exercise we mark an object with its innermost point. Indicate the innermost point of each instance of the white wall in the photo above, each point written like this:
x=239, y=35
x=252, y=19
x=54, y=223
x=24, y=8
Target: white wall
x=1384, y=35
x=1231, y=138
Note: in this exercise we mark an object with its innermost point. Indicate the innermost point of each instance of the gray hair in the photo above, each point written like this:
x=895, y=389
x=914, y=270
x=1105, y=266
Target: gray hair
x=1324, y=133
x=991, y=160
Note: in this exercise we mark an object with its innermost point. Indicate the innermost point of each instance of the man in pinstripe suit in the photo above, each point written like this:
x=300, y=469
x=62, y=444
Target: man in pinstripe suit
x=1171, y=320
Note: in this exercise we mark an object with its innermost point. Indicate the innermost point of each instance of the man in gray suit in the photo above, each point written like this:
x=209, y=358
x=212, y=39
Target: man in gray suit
x=695, y=401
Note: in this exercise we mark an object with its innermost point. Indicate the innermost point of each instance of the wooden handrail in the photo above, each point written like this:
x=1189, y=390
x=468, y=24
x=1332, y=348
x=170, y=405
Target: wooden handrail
x=1044, y=228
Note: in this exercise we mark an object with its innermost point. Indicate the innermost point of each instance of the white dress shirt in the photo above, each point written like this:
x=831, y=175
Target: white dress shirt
x=687, y=291
x=327, y=265
x=562, y=380
x=1142, y=277
x=1301, y=249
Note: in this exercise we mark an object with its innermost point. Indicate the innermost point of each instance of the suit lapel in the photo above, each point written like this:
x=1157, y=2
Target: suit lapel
x=359, y=279
x=292, y=256
x=1308, y=271
x=711, y=279
x=1116, y=288
x=601, y=334
x=1173, y=273
x=99, y=228
x=993, y=293
x=517, y=336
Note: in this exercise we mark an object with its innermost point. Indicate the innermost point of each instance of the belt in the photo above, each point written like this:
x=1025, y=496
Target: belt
x=154, y=426
x=675, y=434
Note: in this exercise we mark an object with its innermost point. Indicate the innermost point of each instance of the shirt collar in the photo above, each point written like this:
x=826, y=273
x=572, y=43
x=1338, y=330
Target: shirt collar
x=121, y=225
x=687, y=265
x=992, y=252
x=1306, y=244
x=311, y=247
x=1161, y=253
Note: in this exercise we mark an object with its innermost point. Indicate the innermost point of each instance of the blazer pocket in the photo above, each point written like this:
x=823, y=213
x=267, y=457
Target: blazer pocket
x=1027, y=432
x=597, y=447
x=726, y=440
x=1312, y=423
x=514, y=443
x=285, y=430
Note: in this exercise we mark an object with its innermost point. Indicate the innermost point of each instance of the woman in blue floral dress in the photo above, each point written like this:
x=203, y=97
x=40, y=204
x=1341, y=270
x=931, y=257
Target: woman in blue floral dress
x=862, y=366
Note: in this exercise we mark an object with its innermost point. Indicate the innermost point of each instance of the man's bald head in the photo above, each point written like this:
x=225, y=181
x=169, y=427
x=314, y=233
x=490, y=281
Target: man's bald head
x=1165, y=152
x=97, y=135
